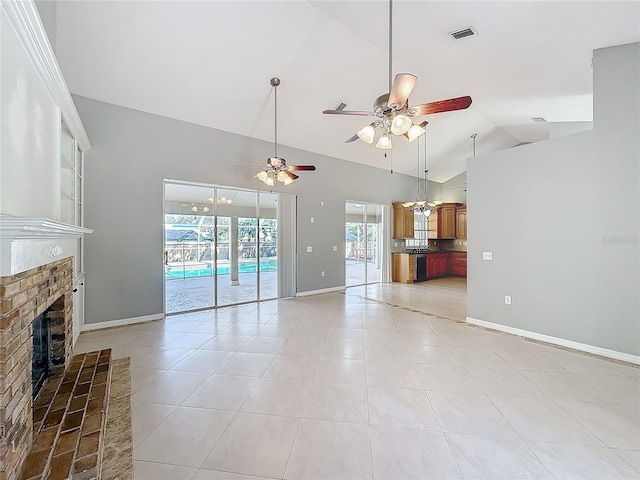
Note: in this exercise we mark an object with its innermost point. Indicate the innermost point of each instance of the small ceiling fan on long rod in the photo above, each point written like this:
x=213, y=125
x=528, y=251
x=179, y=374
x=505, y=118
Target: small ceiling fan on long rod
x=277, y=168
x=392, y=109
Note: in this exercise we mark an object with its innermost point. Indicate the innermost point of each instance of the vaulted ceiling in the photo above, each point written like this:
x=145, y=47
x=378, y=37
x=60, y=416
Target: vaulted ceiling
x=209, y=63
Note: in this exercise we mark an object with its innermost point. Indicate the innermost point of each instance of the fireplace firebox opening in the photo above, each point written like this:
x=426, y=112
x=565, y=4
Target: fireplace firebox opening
x=40, y=367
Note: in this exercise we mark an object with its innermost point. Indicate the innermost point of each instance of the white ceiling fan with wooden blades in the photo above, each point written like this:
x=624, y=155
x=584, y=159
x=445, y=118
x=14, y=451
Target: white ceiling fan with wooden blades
x=392, y=111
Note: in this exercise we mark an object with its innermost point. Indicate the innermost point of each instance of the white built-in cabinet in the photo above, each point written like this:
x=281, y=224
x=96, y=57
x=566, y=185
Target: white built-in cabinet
x=68, y=184
x=72, y=213
x=72, y=190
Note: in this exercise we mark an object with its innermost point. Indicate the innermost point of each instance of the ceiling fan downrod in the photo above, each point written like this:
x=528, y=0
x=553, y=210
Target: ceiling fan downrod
x=275, y=81
x=390, y=42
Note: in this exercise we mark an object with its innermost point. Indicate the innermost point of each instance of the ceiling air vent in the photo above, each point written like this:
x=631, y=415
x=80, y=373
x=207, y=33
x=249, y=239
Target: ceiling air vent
x=463, y=33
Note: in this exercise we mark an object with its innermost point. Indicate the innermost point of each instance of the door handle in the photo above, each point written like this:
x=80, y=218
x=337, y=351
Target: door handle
x=166, y=257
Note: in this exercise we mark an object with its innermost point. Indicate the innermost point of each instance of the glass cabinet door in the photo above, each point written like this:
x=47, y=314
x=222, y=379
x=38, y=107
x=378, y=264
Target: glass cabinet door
x=67, y=177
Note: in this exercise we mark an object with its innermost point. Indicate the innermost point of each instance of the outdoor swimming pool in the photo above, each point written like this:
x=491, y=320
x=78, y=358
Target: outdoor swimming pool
x=192, y=271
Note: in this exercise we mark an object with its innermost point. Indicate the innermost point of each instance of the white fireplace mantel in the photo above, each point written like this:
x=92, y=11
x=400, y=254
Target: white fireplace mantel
x=26, y=243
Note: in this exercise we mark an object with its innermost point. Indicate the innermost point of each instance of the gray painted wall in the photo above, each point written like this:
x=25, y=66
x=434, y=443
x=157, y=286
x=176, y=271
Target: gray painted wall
x=134, y=151
x=48, y=11
x=562, y=220
x=451, y=192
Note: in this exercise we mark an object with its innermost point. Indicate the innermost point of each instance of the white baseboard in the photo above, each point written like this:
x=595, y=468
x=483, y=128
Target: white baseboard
x=119, y=323
x=604, y=352
x=322, y=290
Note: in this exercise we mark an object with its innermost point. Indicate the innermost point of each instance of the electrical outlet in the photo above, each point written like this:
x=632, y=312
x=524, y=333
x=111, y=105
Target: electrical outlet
x=321, y=203
x=335, y=248
x=487, y=255
x=313, y=219
x=309, y=249
x=507, y=299
x=322, y=273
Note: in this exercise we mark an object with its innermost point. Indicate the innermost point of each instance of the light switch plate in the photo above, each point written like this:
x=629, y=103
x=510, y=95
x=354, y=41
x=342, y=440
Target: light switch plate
x=309, y=249
x=487, y=255
x=335, y=248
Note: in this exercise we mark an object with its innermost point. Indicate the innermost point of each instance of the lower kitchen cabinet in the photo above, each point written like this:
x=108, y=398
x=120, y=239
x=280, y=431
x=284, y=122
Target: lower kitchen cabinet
x=403, y=267
x=459, y=264
x=437, y=264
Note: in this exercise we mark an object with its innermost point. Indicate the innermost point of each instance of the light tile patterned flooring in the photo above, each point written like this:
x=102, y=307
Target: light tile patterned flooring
x=339, y=386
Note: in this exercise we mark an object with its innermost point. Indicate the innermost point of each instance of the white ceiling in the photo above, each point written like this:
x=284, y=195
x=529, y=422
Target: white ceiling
x=209, y=63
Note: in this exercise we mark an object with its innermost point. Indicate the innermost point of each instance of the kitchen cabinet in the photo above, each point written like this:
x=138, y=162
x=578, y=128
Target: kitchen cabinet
x=402, y=221
x=459, y=264
x=403, y=267
x=442, y=221
x=461, y=222
x=437, y=264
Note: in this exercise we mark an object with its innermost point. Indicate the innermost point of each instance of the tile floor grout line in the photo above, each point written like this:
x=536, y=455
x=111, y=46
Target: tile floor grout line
x=310, y=316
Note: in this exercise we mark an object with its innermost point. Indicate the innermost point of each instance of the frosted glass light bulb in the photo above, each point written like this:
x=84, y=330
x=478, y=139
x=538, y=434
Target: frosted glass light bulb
x=400, y=124
x=414, y=132
x=282, y=176
x=367, y=133
x=384, y=142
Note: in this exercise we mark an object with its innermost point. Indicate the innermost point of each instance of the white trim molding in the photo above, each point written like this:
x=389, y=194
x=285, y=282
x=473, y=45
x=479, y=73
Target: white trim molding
x=14, y=228
x=88, y=327
x=26, y=243
x=583, y=347
x=322, y=290
x=25, y=19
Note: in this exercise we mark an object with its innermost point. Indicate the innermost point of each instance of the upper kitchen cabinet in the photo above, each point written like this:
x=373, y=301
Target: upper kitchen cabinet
x=442, y=221
x=461, y=222
x=402, y=221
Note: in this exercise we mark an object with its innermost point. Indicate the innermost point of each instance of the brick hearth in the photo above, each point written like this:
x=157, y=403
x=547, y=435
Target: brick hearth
x=23, y=297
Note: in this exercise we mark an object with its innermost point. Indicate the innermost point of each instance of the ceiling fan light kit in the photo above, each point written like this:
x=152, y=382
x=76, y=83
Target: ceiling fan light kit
x=277, y=168
x=392, y=109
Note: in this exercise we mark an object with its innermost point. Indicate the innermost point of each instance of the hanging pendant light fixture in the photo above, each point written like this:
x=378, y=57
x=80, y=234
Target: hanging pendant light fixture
x=422, y=203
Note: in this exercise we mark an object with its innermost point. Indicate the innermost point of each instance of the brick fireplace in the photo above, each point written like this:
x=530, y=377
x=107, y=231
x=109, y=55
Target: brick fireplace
x=23, y=297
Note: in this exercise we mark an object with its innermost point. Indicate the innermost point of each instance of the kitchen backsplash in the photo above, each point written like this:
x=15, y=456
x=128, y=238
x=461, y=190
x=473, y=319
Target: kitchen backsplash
x=399, y=245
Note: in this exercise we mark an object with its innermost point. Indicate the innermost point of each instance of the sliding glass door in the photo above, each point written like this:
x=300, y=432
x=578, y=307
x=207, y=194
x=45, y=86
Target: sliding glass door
x=189, y=226
x=221, y=246
x=363, y=242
